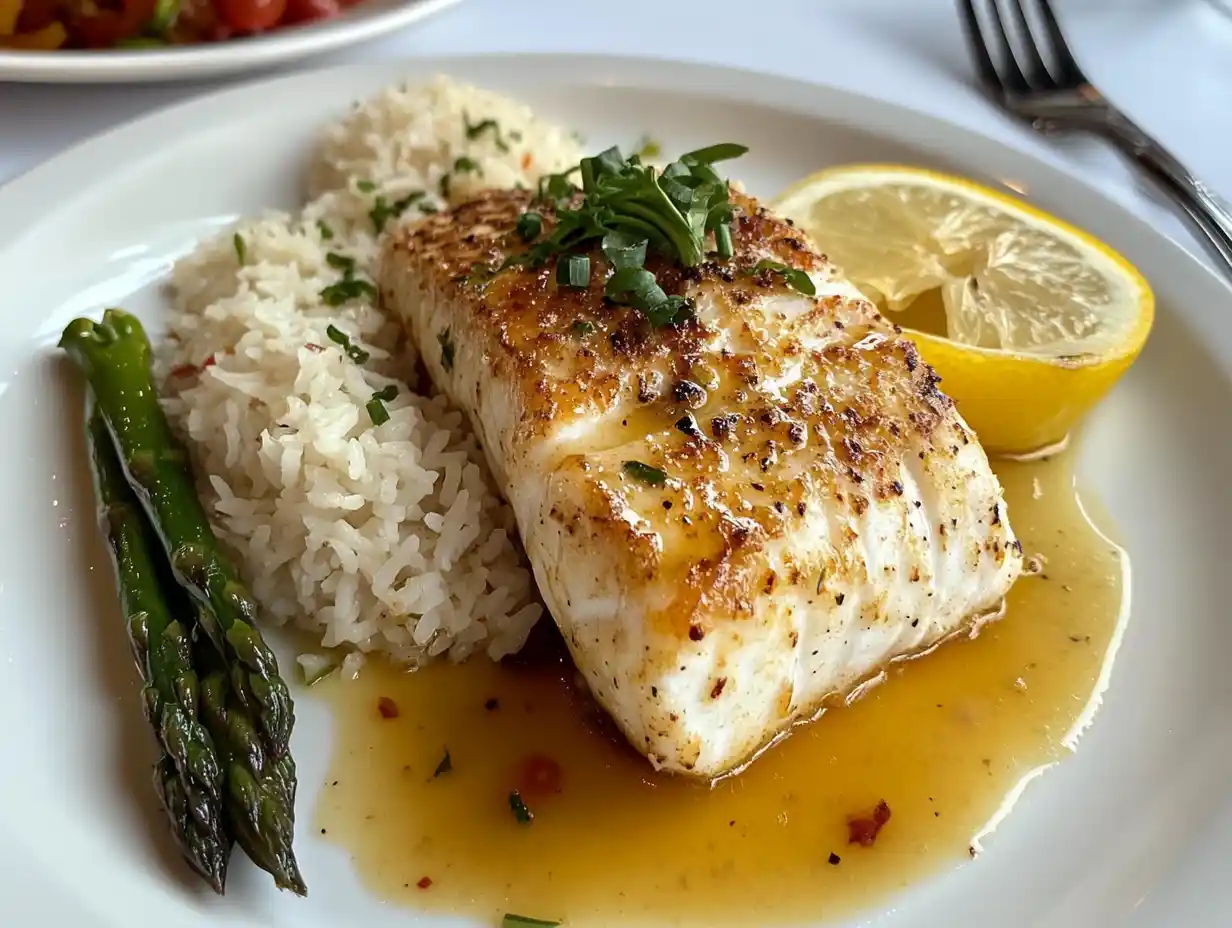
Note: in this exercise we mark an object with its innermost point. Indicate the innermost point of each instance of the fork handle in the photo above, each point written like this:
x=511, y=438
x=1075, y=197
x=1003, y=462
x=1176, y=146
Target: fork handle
x=1206, y=212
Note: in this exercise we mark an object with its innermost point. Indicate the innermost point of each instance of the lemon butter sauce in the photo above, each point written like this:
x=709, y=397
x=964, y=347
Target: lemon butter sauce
x=604, y=840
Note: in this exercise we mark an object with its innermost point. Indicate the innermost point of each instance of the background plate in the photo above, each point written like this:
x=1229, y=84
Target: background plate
x=367, y=20
x=1135, y=829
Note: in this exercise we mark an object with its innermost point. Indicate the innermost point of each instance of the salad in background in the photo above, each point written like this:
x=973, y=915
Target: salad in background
x=46, y=25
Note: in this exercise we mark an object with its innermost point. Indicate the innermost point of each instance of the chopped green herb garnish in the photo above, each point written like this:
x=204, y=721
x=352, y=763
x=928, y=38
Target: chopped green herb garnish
x=387, y=393
x=673, y=310
x=515, y=135
x=316, y=667
x=347, y=289
x=383, y=211
x=340, y=263
x=525, y=921
x=446, y=180
x=582, y=327
x=519, y=809
x=573, y=271
x=648, y=148
x=241, y=248
x=624, y=250
x=723, y=151
x=465, y=165
x=723, y=246
x=365, y=186
x=353, y=351
x=555, y=189
x=651, y=476
x=629, y=208
x=797, y=279
x=475, y=130
x=377, y=411
x=447, y=349
x=402, y=203
x=444, y=766
x=327, y=234
x=428, y=209
x=530, y=224
x=637, y=287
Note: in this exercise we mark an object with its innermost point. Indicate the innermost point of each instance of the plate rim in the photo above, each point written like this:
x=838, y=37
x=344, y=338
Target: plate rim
x=214, y=59
x=161, y=118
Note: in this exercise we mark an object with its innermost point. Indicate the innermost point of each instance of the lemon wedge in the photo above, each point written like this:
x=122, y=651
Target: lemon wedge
x=1028, y=320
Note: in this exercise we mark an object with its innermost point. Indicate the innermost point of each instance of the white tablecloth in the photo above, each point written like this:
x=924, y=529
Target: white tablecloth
x=1166, y=62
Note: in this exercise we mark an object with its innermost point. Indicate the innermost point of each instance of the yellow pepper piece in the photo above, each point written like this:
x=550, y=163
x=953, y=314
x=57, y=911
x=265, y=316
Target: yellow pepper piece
x=9, y=11
x=45, y=39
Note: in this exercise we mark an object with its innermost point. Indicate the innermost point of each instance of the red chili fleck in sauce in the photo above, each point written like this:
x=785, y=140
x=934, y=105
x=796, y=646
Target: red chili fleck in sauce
x=387, y=707
x=540, y=776
x=315, y=349
x=424, y=882
x=209, y=362
x=184, y=370
x=863, y=829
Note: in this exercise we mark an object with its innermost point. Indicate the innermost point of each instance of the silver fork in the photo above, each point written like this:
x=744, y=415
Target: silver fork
x=1025, y=65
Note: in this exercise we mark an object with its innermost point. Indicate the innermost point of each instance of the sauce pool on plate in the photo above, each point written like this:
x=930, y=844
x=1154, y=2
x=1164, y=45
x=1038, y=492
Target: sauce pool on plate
x=493, y=789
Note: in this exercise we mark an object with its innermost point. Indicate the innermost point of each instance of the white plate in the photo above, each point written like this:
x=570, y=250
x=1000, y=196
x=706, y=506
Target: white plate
x=1136, y=829
x=366, y=20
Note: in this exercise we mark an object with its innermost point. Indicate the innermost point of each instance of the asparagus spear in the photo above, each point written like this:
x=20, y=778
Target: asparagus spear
x=188, y=776
x=260, y=791
x=206, y=851
x=115, y=357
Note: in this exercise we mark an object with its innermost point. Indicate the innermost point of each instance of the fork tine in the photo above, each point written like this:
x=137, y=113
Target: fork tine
x=984, y=67
x=1036, y=71
x=1012, y=75
x=1069, y=72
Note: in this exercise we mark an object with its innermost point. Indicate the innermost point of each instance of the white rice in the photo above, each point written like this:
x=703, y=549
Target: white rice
x=386, y=538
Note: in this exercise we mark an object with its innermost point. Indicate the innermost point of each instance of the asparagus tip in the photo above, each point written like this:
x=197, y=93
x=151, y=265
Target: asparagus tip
x=215, y=874
x=76, y=330
x=291, y=880
x=123, y=322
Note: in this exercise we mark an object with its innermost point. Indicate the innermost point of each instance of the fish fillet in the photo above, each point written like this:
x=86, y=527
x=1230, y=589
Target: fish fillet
x=735, y=521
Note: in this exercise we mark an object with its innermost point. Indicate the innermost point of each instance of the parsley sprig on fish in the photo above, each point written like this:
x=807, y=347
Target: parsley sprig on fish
x=629, y=208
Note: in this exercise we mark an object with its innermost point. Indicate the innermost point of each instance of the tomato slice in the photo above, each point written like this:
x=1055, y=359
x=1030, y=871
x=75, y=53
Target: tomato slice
x=37, y=14
x=305, y=11
x=199, y=21
x=251, y=15
x=104, y=29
